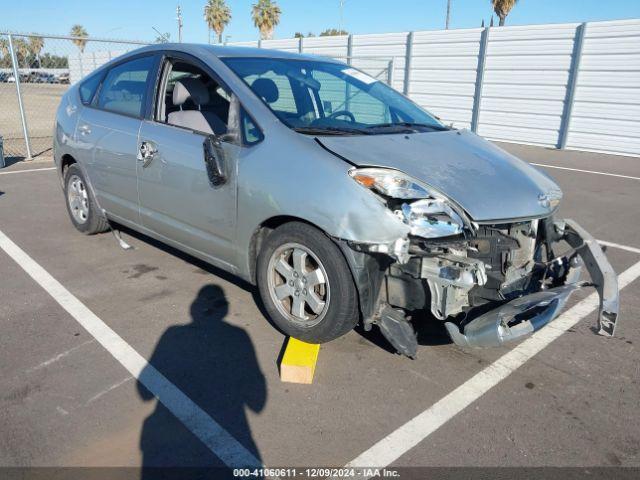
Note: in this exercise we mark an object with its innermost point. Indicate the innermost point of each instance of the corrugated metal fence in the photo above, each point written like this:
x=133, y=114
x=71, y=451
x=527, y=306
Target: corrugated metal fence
x=571, y=85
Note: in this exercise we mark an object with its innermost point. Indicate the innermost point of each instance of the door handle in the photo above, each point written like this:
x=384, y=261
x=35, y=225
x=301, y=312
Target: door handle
x=84, y=129
x=146, y=153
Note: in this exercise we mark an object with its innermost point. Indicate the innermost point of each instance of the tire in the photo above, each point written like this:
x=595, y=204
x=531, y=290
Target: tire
x=81, y=204
x=323, y=261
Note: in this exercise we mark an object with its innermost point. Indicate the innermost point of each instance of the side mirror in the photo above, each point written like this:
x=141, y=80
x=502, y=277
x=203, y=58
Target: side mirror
x=214, y=161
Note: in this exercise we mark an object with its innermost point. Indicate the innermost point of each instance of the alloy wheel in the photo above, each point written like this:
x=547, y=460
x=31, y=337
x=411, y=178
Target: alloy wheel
x=298, y=284
x=78, y=199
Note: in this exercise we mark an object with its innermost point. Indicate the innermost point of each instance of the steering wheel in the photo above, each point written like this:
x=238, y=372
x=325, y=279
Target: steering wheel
x=342, y=113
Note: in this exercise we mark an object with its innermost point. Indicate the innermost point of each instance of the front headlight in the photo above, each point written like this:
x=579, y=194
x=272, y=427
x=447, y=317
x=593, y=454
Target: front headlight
x=429, y=213
x=390, y=183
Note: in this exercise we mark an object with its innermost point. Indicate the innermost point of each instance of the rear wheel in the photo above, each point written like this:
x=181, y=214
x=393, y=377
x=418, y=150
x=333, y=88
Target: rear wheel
x=306, y=285
x=81, y=205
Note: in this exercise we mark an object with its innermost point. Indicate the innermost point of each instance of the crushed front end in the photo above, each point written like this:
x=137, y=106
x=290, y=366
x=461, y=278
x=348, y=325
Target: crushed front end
x=490, y=282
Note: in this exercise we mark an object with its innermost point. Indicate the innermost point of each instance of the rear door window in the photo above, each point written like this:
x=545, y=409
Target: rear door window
x=125, y=86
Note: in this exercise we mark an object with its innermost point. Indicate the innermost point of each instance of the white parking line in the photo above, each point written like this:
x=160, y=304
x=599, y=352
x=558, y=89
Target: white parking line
x=59, y=356
x=214, y=436
x=28, y=170
x=618, y=246
x=585, y=171
x=399, y=442
x=107, y=390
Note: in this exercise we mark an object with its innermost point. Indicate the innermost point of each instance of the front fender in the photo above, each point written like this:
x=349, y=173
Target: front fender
x=304, y=181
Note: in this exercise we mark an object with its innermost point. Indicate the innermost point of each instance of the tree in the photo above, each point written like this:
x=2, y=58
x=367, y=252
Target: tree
x=54, y=61
x=21, y=47
x=333, y=32
x=5, y=61
x=502, y=8
x=36, y=44
x=217, y=15
x=266, y=15
x=79, y=32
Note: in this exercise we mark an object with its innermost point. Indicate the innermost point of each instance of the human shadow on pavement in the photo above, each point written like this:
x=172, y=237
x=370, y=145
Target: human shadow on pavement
x=214, y=364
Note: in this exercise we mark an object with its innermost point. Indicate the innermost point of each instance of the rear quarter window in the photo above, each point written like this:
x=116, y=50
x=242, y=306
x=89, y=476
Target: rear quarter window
x=89, y=86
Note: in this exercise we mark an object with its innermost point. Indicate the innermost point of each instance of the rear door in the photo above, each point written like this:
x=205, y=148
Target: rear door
x=109, y=128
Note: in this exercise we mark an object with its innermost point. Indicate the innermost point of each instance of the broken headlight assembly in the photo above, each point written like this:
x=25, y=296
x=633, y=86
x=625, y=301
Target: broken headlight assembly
x=428, y=213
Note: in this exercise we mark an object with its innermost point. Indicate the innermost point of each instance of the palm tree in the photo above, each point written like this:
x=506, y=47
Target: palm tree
x=502, y=8
x=21, y=47
x=4, y=48
x=80, y=33
x=266, y=15
x=217, y=15
x=36, y=44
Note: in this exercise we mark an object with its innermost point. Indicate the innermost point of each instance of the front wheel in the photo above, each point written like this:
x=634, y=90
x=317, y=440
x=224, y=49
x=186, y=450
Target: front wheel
x=306, y=285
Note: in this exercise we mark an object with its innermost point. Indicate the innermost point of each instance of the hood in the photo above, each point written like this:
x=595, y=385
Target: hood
x=489, y=183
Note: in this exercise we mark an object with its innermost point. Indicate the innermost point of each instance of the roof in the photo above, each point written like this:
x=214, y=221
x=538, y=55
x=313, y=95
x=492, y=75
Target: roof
x=233, y=51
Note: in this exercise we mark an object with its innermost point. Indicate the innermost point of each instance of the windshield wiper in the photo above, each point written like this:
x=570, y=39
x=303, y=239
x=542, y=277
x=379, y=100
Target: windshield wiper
x=331, y=131
x=411, y=125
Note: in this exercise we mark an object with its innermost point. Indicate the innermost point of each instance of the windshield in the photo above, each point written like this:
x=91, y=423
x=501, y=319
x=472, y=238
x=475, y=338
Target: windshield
x=325, y=98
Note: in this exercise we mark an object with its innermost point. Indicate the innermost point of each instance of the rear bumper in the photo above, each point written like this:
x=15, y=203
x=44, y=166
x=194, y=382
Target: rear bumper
x=524, y=315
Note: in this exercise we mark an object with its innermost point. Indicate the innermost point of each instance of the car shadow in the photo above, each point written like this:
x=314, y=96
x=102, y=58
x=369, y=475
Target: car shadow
x=214, y=364
x=202, y=265
x=8, y=161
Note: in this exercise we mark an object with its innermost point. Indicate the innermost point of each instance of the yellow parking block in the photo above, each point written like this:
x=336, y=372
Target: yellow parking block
x=299, y=361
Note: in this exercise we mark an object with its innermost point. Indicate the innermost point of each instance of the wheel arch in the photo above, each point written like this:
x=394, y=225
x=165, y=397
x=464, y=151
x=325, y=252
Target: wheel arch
x=367, y=271
x=65, y=162
x=262, y=231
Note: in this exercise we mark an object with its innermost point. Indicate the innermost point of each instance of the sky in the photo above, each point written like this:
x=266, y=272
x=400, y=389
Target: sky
x=134, y=19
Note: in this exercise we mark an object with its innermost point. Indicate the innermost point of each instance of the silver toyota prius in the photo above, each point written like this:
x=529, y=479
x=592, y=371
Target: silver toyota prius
x=340, y=198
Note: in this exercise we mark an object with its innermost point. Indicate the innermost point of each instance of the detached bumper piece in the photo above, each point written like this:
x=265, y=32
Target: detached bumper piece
x=602, y=275
x=398, y=331
x=524, y=315
x=509, y=322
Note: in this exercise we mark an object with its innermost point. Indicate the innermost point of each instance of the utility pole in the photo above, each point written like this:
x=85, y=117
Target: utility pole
x=341, y=15
x=179, y=18
x=446, y=25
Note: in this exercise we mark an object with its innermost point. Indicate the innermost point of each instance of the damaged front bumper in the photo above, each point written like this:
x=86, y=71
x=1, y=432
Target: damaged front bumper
x=524, y=315
x=517, y=317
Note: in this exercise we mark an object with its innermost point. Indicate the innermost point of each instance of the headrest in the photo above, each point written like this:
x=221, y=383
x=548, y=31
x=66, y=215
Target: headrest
x=190, y=88
x=266, y=89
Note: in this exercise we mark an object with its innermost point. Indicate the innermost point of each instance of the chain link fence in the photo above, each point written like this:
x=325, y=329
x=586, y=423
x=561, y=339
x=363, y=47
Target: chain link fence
x=35, y=71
